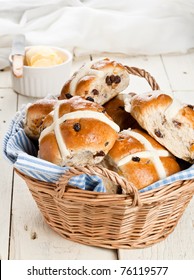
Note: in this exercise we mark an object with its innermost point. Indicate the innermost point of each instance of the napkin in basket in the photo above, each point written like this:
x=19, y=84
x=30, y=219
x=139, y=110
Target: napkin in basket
x=22, y=153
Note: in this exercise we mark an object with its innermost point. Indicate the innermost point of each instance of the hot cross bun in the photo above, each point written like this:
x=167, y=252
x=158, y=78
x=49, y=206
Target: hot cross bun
x=97, y=81
x=35, y=114
x=77, y=132
x=140, y=159
x=167, y=120
x=115, y=108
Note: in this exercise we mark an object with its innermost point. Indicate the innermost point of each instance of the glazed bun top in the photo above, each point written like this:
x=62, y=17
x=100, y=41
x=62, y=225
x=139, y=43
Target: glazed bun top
x=140, y=158
x=97, y=80
x=166, y=119
x=35, y=114
x=115, y=108
x=77, y=132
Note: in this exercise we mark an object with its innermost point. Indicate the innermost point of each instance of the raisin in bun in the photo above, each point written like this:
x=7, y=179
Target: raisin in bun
x=77, y=132
x=35, y=114
x=166, y=119
x=140, y=159
x=99, y=81
x=115, y=108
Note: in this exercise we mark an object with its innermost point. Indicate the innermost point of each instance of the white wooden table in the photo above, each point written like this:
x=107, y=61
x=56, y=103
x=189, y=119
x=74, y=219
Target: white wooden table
x=23, y=232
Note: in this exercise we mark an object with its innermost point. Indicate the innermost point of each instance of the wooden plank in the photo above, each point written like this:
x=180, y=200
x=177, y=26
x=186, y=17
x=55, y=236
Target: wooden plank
x=5, y=78
x=185, y=96
x=180, y=70
x=79, y=61
x=8, y=100
x=177, y=246
x=31, y=237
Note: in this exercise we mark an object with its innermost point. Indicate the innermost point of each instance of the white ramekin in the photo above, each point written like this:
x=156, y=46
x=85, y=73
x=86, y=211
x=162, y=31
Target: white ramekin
x=43, y=81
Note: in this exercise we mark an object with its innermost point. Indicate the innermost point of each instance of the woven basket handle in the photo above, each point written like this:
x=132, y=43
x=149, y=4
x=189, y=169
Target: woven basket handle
x=144, y=74
x=128, y=187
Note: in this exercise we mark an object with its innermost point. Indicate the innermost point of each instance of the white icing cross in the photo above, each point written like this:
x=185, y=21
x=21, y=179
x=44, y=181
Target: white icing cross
x=84, y=71
x=69, y=116
x=150, y=152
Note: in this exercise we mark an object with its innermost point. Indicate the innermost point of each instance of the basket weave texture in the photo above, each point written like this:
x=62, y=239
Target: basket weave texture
x=128, y=220
x=131, y=220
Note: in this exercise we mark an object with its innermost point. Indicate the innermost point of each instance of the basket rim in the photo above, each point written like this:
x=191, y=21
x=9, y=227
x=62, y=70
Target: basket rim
x=157, y=194
x=54, y=206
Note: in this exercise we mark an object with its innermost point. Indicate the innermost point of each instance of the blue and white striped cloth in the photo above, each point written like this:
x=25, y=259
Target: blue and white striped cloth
x=22, y=153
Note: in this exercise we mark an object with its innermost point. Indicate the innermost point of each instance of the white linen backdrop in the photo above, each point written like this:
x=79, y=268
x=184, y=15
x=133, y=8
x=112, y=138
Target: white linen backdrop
x=124, y=26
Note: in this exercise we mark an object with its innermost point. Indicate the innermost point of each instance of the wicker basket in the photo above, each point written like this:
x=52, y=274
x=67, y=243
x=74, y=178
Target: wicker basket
x=129, y=220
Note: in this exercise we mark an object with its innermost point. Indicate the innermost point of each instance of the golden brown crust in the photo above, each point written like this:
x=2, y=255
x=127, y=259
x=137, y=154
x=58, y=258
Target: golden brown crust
x=115, y=109
x=123, y=146
x=166, y=119
x=143, y=173
x=35, y=115
x=142, y=103
x=83, y=87
x=170, y=164
x=44, y=149
x=187, y=115
x=140, y=171
x=65, y=90
x=126, y=145
x=101, y=80
x=76, y=103
x=93, y=134
x=83, y=135
x=106, y=64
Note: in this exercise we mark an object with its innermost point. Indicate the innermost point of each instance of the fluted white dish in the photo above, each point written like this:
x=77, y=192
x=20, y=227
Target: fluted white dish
x=43, y=81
